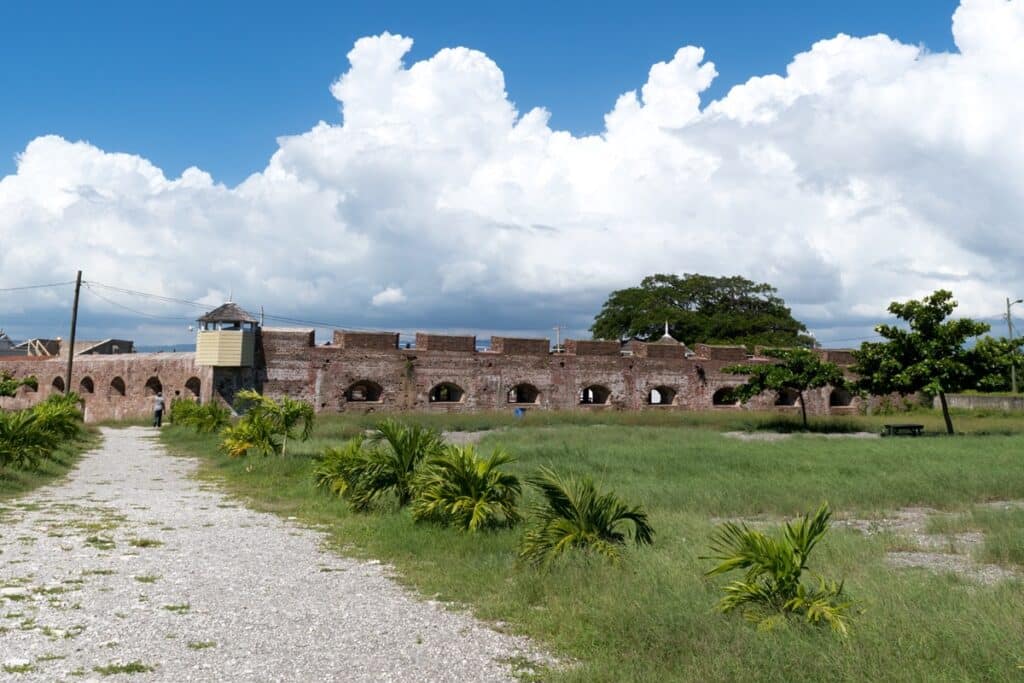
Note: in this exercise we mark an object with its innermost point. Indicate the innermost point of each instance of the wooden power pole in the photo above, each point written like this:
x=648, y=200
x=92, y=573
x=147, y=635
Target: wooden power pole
x=71, y=342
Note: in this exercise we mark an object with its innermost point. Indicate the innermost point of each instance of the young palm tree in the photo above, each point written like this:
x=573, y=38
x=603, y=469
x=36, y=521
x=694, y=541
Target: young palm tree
x=251, y=433
x=772, y=586
x=574, y=514
x=287, y=414
x=338, y=469
x=461, y=489
x=392, y=464
x=23, y=441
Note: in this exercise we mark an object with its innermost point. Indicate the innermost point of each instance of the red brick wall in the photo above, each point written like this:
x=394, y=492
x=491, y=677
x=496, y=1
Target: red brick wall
x=443, y=342
x=347, y=339
x=582, y=347
x=520, y=347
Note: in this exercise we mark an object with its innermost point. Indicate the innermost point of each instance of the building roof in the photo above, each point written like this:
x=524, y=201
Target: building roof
x=227, y=313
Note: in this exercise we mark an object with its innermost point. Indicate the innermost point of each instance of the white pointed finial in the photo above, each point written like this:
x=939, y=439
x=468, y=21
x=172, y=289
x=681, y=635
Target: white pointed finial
x=666, y=328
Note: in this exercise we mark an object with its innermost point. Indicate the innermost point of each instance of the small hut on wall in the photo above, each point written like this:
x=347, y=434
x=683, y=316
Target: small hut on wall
x=226, y=338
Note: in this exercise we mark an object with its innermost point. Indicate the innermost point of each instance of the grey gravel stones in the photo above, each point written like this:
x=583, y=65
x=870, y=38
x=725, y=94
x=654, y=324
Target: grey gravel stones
x=130, y=564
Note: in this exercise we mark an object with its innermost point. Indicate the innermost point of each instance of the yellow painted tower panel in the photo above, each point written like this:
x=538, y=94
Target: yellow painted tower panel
x=225, y=348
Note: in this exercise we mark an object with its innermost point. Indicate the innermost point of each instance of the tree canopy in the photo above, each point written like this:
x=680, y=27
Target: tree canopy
x=700, y=308
x=796, y=369
x=930, y=354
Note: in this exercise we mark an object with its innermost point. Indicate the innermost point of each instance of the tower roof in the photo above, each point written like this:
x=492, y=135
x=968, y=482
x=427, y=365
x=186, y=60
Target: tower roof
x=227, y=313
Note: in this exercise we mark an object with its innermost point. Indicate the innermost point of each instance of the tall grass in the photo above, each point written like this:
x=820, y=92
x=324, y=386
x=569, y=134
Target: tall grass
x=654, y=616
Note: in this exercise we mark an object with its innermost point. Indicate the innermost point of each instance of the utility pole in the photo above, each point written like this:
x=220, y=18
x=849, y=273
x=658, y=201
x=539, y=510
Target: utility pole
x=1013, y=351
x=71, y=342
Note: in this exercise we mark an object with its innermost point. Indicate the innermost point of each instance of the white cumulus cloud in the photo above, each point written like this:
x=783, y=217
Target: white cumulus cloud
x=870, y=170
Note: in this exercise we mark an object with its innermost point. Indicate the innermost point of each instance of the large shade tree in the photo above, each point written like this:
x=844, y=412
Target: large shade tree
x=700, y=308
x=929, y=354
x=798, y=370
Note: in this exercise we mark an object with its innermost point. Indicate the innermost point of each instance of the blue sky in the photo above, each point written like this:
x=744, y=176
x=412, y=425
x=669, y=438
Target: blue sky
x=872, y=168
x=212, y=84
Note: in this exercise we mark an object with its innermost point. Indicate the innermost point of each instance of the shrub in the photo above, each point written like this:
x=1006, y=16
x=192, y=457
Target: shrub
x=9, y=385
x=278, y=419
x=206, y=419
x=28, y=436
x=461, y=489
x=249, y=434
x=364, y=472
x=573, y=514
x=772, y=587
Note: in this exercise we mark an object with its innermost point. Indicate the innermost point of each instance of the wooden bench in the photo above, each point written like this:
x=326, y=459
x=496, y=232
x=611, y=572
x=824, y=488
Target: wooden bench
x=902, y=430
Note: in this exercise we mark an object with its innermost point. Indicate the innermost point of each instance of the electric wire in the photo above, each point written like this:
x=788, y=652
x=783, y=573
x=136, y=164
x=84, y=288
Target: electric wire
x=24, y=287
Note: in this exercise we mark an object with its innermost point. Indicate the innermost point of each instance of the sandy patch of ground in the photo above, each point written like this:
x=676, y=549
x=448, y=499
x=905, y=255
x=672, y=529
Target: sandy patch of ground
x=778, y=436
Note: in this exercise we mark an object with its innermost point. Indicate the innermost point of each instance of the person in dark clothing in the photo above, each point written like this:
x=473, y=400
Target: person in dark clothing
x=158, y=409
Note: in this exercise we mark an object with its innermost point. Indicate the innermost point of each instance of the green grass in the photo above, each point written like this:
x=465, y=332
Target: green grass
x=653, y=616
x=1003, y=529
x=135, y=667
x=15, y=482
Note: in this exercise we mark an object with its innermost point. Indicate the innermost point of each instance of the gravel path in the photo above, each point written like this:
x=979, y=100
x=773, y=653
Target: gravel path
x=129, y=560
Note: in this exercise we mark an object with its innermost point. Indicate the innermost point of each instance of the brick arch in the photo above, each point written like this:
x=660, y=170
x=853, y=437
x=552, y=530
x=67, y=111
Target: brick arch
x=595, y=394
x=364, y=391
x=117, y=387
x=787, y=397
x=57, y=385
x=193, y=386
x=661, y=396
x=87, y=386
x=153, y=386
x=840, y=398
x=446, y=392
x=524, y=392
x=726, y=396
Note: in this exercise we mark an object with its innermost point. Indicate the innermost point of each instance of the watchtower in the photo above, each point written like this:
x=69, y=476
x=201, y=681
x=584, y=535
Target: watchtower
x=227, y=338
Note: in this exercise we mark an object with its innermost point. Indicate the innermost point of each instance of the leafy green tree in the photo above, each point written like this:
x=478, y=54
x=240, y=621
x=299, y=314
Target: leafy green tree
x=773, y=585
x=700, y=308
x=929, y=355
x=796, y=370
x=9, y=385
x=471, y=493
x=574, y=515
x=993, y=357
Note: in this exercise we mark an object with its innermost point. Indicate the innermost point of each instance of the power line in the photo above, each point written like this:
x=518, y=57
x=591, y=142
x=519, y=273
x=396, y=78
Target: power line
x=93, y=292
x=52, y=284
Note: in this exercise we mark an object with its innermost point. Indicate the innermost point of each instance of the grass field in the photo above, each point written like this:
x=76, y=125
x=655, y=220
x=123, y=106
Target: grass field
x=653, y=617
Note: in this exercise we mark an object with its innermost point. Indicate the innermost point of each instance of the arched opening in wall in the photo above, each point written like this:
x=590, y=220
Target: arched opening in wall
x=117, y=387
x=364, y=391
x=523, y=393
x=726, y=396
x=28, y=389
x=86, y=386
x=446, y=392
x=840, y=398
x=787, y=397
x=193, y=386
x=153, y=387
x=594, y=395
x=661, y=396
x=57, y=385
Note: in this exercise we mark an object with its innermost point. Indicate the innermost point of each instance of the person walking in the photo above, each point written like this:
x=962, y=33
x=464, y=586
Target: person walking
x=158, y=409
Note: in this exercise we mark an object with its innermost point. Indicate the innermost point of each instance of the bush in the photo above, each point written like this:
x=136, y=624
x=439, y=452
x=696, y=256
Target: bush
x=773, y=586
x=9, y=385
x=28, y=436
x=575, y=515
x=364, y=472
x=206, y=419
x=461, y=489
x=267, y=424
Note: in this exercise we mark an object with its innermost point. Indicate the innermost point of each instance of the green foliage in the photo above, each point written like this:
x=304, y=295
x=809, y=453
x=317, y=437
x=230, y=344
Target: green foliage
x=930, y=356
x=364, y=472
x=29, y=436
x=773, y=584
x=9, y=385
x=993, y=357
x=205, y=419
x=266, y=426
x=796, y=370
x=700, y=308
x=461, y=489
x=574, y=515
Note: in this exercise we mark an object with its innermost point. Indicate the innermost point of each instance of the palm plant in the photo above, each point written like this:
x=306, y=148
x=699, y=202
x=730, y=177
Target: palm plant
x=280, y=417
x=211, y=418
x=60, y=415
x=773, y=586
x=9, y=384
x=23, y=441
x=461, y=489
x=251, y=433
x=573, y=514
x=338, y=469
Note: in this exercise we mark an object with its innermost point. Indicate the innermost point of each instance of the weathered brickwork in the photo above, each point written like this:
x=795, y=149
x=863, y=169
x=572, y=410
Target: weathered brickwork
x=515, y=372
x=113, y=387
x=370, y=372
